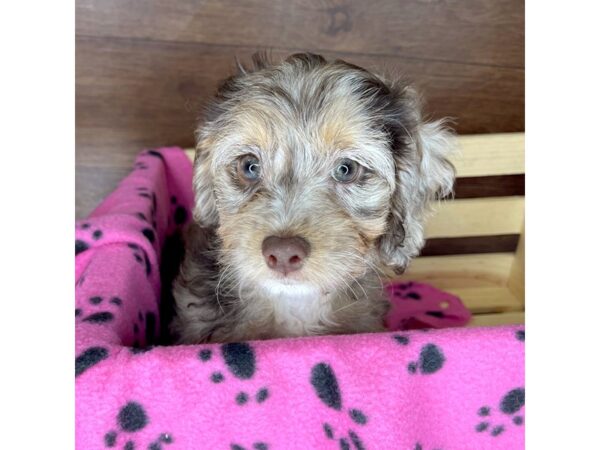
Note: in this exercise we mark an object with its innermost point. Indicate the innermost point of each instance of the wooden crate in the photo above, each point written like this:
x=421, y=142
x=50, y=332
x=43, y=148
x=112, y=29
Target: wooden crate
x=491, y=284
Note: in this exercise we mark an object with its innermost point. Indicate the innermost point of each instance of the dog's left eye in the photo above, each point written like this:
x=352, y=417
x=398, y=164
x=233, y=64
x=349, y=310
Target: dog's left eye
x=347, y=171
x=249, y=168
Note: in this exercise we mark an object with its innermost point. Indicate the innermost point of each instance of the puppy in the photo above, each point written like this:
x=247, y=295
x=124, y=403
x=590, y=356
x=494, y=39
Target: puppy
x=312, y=178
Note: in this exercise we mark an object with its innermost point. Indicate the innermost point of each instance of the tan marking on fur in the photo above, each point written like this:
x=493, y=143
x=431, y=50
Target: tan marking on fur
x=299, y=114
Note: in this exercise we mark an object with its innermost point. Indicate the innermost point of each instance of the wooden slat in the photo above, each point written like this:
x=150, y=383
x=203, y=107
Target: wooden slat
x=476, y=217
x=471, y=244
x=487, y=320
x=496, y=154
x=462, y=271
x=484, y=300
x=480, y=32
x=489, y=186
x=516, y=279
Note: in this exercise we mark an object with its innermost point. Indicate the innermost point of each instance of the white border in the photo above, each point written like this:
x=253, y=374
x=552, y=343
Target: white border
x=562, y=224
x=37, y=187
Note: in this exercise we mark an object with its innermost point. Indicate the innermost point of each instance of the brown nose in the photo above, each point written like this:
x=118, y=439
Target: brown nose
x=285, y=255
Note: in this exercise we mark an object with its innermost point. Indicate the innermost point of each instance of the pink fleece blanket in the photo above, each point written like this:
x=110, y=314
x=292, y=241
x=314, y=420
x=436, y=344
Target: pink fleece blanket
x=459, y=388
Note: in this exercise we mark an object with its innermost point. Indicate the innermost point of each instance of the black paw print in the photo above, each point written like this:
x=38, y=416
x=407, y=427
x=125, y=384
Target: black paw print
x=82, y=245
x=239, y=358
x=406, y=292
x=141, y=257
x=155, y=154
x=520, y=335
x=145, y=192
x=180, y=214
x=431, y=359
x=510, y=405
x=99, y=317
x=325, y=383
x=131, y=419
x=89, y=358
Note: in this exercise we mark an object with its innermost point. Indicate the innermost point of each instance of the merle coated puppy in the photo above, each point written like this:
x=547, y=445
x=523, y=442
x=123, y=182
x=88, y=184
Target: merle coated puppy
x=312, y=178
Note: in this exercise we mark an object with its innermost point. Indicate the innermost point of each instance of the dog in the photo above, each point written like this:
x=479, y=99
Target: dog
x=312, y=180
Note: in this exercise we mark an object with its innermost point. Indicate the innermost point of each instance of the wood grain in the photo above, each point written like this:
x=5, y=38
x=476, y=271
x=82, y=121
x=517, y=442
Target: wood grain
x=471, y=244
x=474, y=31
x=494, y=186
x=498, y=154
x=490, y=320
x=477, y=217
x=516, y=279
x=462, y=271
x=131, y=86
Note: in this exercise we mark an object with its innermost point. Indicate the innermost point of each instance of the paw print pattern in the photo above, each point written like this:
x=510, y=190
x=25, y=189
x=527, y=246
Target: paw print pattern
x=103, y=316
x=431, y=360
x=144, y=192
x=520, y=335
x=510, y=405
x=240, y=359
x=89, y=358
x=155, y=154
x=405, y=292
x=131, y=419
x=82, y=244
x=326, y=387
x=141, y=257
x=145, y=329
x=180, y=214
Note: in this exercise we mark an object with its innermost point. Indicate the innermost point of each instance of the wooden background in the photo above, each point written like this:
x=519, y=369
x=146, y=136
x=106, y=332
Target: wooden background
x=143, y=68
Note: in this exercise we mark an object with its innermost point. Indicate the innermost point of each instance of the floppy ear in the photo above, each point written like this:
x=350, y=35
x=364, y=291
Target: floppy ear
x=423, y=174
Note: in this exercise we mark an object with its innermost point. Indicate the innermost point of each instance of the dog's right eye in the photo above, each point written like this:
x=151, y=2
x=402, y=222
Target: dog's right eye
x=249, y=168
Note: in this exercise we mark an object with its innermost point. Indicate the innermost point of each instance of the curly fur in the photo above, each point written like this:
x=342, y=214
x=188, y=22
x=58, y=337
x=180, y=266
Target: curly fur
x=300, y=117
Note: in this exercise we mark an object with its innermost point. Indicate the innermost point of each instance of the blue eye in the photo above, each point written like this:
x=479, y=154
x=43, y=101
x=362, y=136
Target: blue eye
x=249, y=168
x=346, y=171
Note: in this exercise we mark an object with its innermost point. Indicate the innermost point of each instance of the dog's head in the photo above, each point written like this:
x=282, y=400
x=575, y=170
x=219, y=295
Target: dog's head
x=314, y=171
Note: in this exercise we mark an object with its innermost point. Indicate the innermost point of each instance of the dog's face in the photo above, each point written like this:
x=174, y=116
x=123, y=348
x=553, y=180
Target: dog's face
x=315, y=172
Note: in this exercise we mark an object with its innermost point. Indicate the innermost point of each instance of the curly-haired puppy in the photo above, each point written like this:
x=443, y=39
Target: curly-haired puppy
x=311, y=177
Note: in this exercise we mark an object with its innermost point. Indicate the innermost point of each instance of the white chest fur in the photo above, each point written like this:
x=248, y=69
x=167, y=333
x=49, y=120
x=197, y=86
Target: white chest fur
x=297, y=309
